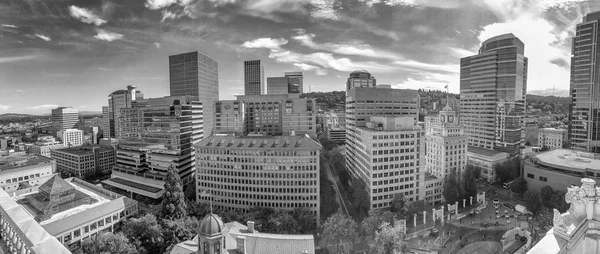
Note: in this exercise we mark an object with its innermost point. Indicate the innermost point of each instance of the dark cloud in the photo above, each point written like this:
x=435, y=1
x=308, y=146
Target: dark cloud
x=560, y=62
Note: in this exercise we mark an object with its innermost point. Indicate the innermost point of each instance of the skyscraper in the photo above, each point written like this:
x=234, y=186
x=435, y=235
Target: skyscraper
x=584, y=111
x=116, y=101
x=446, y=144
x=360, y=78
x=254, y=77
x=64, y=118
x=196, y=74
x=295, y=82
x=493, y=85
x=292, y=82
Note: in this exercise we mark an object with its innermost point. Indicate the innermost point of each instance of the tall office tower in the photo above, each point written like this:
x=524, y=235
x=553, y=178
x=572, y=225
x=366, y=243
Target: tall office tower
x=276, y=115
x=277, y=85
x=118, y=100
x=243, y=172
x=445, y=144
x=295, y=82
x=154, y=134
x=360, y=78
x=384, y=143
x=493, y=85
x=584, y=111
x=254, y=77
x=64, y=118
x=196, y=74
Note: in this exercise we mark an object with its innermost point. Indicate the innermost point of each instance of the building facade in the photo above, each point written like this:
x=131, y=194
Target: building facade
x=230, y=117
x=295, y=82
x=84, y=161
x=71, y=137
x=64, y=118
x=116, y=101
x=360, y=78
x=277, y=85
x=20, y=173
x=486, y=160
x=196, y=74
x=44, y=145
x=493, y=86
x=336, y=134
x=445, y=144
x=242, y=172
x=584, y=111
x=552, y=138
x=154, y=134
x=254, y=75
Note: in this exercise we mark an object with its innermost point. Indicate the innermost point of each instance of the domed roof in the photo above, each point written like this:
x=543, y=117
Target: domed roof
x=447, y=108
x=211, y=225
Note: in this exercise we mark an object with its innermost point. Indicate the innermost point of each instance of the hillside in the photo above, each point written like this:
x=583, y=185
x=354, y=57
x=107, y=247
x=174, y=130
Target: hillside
x=19, y=118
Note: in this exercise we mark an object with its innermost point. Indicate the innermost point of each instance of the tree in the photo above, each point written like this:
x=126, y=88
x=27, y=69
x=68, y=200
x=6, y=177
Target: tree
x=107, y=243
x=508, y=170
x=414, y=207
x=558, y=201
x=469, y=183
x=327, y=193
x=546, y=194
x=282, y=222
x=533, y=201
x=327, y=144
x=339, y=228
x=180, y=230
x=305, y=219
x=370, y=225
x=344, y=178
x=173, y=204
x=197, y=210
x=451, y=190
x=519, y=185
x=388, y=240
x=146, y=233
x=360, y=204
x=398, y=205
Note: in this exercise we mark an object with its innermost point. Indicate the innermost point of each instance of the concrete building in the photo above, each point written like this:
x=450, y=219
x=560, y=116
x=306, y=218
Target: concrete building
x=216, y=237
x=552, y=138
x=336, y=134
x=445, y=144
x=560, y=168
x=84, y=161
x=272, y=115
x=196, y=74
x=230, y=117
x=575, y=231
x=486, y=160
x=360, y=78
x=433, y=189
x=154, y=134
x=73, y=210
x=21, y=233
x=493, y=86
x=332, y=119
x=242, y=172
x=254, y=78
x=64, y=118
x=584, y=113
x=109, y=142
x=116, y=101
x=44, y=145
x=295, y=82
x=20, y=173
x=71, y=137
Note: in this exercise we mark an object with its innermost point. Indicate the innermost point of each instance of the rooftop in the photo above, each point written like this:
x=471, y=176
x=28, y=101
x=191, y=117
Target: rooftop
x=264, y=142
x=83, y=150
x=570, y=159
x=484, y=151
x=13, y=163
x=553, y=129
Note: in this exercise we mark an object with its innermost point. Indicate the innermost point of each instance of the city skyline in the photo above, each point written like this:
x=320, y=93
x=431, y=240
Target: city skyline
x=104, y=46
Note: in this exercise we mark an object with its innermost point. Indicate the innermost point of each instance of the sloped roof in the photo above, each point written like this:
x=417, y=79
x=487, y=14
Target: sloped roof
x=55, y=185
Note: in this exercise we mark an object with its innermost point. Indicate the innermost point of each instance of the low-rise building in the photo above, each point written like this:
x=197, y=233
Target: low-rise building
x=73, y=210
x=84, y=161
x=217, y=237
x=486, y=160
x=552, y=138
x=71, y=137
x=21, y=173
x=336, y=133
x=433, y=189
x=44, y=145
x=560, y=168
x=280, y=172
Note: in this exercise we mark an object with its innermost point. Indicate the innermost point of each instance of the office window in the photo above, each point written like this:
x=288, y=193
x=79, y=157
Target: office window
x=530, y=176
x=77, y=233
x=543, y=179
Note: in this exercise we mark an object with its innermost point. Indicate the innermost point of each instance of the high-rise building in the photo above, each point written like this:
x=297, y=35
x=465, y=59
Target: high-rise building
x=295, y=82
x=84, y=161
x=64, y=118
x=445, y=144
x=152, y=135
x=584, y=111
x=116, y=101
x=196, y=74
x=277, y=85
x=243, y=172
x=254, y=77
x=493, y=86
x=360, y=78
x=71, y=137
x=384, y=143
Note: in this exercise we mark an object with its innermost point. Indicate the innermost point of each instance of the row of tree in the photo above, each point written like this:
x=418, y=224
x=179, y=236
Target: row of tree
x=459, y=186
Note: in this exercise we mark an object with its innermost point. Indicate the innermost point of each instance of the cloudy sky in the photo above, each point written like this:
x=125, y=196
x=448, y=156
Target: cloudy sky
x=74, y=53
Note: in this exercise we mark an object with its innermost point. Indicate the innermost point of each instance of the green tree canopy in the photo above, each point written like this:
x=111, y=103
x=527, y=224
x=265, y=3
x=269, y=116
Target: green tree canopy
x=107, y=243
x=533, y=201
x=519, y=185
x=173, y=204
x=339, y=228
x=146, y=233
x=508, y=170
x=360, y=202
x=371, y=223
x=388, y=240
x=451, y=189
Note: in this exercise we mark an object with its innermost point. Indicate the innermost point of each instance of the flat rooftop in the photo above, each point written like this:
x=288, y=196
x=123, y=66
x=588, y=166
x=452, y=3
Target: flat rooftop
x=134, y=184
x=83, y=150
x=570, y=158
x=14, y=163
x=260, y=142
x=483, y=151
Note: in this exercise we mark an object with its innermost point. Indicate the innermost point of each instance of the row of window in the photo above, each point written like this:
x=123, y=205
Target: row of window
x=24, y=178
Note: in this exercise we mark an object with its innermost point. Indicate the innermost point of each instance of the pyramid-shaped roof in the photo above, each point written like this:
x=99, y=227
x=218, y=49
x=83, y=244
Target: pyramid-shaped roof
x=55, y=185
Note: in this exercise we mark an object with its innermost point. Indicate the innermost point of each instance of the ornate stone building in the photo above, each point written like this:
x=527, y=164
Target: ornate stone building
x=577, y=230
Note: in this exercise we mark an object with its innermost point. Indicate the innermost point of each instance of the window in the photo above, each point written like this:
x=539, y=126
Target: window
x=217, y=247
x=530, y=176
x=100, y=223
x=77, y=233
x=543, y=179
x=93, y=226
x=86, y=229
x=206, y=250
x=67, y=237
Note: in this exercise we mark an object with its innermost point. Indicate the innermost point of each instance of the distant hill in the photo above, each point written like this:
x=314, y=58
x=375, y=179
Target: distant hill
x=89, y=113
x=18, y=118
